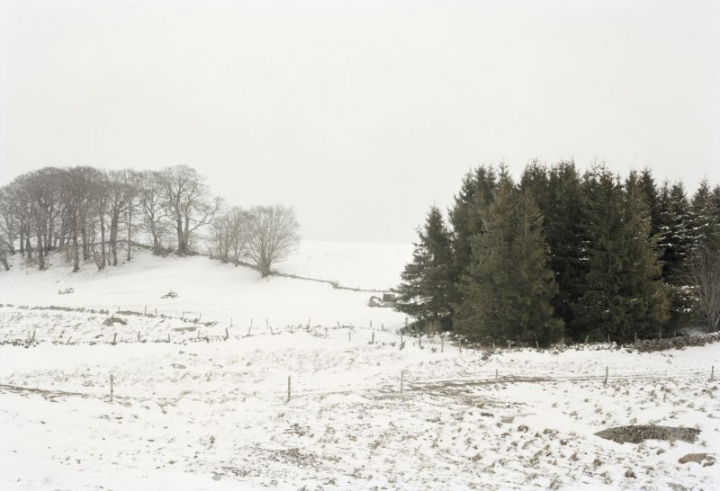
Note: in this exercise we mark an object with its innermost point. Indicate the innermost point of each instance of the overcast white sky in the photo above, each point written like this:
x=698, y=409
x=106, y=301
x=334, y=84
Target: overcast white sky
x=361, y=114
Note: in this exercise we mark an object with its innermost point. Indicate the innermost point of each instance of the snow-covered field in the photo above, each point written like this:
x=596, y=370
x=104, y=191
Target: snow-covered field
x=198, y=404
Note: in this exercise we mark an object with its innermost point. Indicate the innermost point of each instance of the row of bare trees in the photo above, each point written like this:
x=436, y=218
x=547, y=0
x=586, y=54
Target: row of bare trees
x=87, y=212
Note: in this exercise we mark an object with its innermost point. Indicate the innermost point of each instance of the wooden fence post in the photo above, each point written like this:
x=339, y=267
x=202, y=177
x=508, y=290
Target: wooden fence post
x=112, y=387
x=607, y=370
x=289, y=389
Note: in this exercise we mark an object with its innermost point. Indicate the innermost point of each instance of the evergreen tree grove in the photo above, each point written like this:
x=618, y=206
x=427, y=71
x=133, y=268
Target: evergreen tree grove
x=563, y=254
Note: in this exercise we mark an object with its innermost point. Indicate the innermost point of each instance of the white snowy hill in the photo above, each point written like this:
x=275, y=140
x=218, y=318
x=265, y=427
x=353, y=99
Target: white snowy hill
x=219, y=292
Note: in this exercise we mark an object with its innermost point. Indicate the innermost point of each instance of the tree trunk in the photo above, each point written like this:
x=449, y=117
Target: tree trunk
x=41, y=252
x=129, y=232
x=49, y=236
x=156, y=241
x=113, y=237
x=102, y=241
x=76, y=251
x=180, y=236
x=86, y=246
x=28, y=246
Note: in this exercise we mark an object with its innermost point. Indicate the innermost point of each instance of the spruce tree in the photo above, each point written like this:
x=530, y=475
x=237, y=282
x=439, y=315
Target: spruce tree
x=508, y=286
x=704, y=225
x=676, y=238
x=623, y=292
x=465, y=217
x=564, y=218
x=424, y=293
x=535, y=178
x=671, y=248
x=651, y=196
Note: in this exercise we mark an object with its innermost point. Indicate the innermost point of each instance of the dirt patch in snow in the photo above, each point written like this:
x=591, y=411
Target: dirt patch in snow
x=637, y=434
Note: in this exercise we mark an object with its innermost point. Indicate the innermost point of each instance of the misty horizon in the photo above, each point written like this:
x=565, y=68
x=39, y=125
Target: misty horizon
x=359, y=115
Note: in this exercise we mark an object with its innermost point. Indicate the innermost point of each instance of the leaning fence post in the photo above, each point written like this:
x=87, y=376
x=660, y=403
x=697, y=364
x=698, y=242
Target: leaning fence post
x=289, y=389
x=227, y=334
x=606, y=375
x=114, y=338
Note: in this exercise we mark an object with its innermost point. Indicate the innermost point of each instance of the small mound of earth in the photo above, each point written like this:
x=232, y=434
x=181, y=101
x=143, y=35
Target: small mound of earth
x=637, y=434
x=706, y=460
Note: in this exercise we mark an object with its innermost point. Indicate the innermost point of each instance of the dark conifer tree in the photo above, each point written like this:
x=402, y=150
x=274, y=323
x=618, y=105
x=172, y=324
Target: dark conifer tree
x=465, y=218
x=508, y=286
x=651, y=195
x=623, y=293
x=704, y=226
x=424, y=293
x=675, y=240
x=563, y=213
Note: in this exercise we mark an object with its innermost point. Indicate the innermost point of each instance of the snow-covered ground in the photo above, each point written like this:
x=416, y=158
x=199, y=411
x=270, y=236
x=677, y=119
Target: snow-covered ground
x=199, y=405
x=221, y=292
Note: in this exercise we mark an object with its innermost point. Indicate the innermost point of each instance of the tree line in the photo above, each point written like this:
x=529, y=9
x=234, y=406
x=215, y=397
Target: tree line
x=87, y=212
x=564, y=254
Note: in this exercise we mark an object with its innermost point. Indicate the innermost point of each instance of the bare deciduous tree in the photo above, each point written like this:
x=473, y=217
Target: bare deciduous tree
x=703, y=273
x=187, y=201
x=8, y=220
x=153, y=213
x=272, y=235
x=229, y=235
